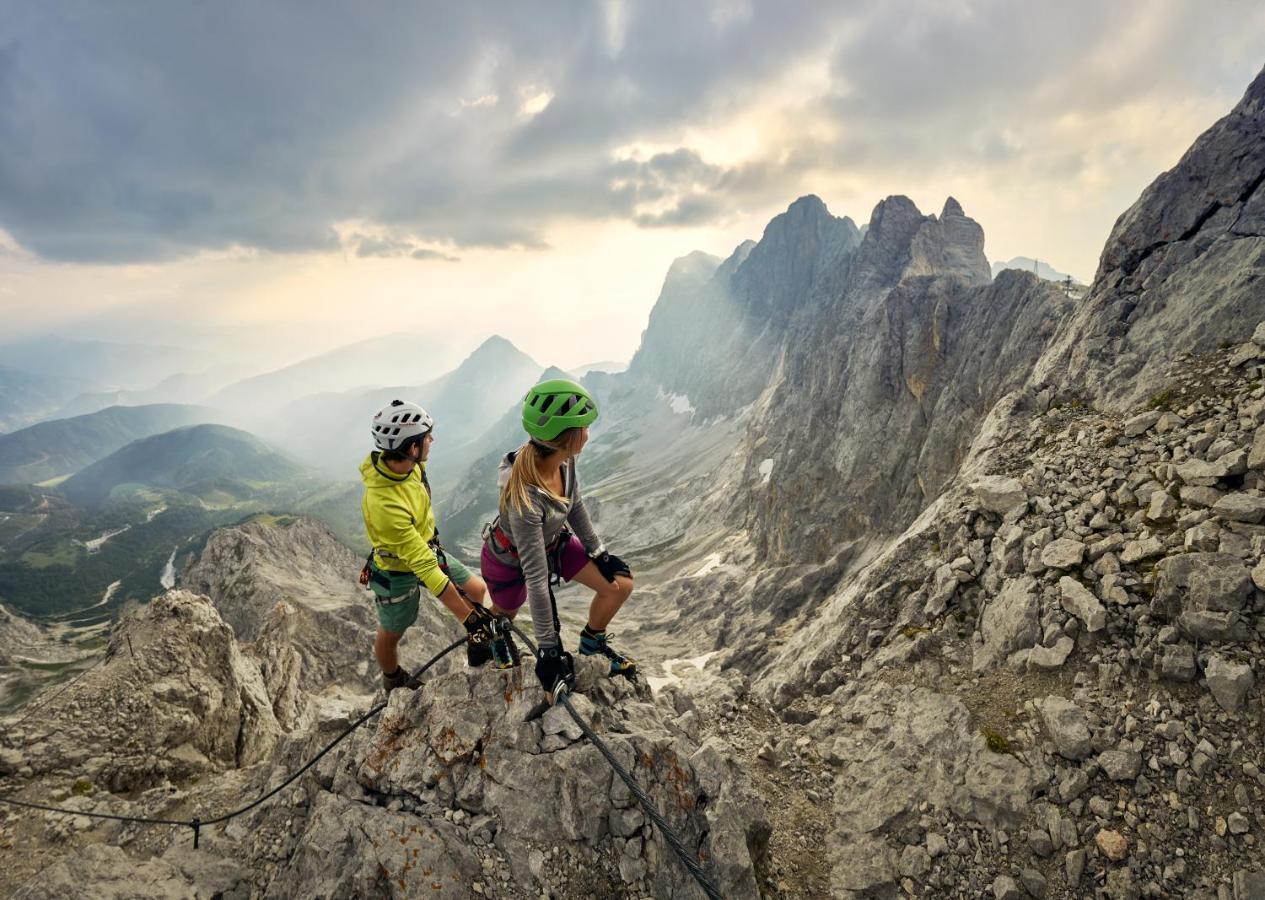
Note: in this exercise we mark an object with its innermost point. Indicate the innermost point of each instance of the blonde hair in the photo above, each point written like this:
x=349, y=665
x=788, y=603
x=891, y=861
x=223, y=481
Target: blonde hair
x=525, y=472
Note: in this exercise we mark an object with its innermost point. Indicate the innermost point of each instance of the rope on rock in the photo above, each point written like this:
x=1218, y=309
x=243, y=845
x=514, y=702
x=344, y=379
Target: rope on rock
x=196, y=823
x=647, y=805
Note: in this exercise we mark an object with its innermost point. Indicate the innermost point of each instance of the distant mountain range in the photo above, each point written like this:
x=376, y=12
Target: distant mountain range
x=27, y=397
x=97, y=363
x=331, y=430
x=1042, y=270
x=64, y=446
x=197, y=459
x=390, y=359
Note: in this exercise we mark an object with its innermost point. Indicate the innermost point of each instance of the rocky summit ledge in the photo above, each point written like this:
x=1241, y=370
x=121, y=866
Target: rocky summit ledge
x=454, y=794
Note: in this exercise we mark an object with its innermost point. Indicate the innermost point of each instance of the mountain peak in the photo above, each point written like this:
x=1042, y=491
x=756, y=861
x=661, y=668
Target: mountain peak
x=902, y=242
x=495, y=349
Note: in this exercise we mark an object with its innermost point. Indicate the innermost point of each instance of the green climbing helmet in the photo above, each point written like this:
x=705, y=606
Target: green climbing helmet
x=553, y=406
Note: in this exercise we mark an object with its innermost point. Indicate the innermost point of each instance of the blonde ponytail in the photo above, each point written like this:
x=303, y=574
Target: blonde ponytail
x=525, y=472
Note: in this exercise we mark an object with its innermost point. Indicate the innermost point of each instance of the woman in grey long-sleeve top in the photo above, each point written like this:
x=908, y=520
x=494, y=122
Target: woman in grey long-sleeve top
x=540, y=496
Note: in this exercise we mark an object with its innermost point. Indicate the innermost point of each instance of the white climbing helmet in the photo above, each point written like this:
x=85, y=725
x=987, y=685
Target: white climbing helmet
x=396, y=424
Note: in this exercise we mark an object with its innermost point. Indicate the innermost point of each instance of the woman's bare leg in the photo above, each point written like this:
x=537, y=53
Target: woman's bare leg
x=608, y=596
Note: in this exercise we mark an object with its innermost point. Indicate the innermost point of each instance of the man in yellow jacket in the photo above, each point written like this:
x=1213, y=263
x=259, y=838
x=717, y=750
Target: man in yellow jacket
x=406, y=553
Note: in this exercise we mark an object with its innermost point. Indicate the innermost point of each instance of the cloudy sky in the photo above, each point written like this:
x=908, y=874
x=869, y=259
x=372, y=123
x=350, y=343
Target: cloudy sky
x=192, y=171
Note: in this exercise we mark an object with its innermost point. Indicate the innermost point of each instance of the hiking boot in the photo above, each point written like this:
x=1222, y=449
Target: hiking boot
x=593, y=643
x=505, y=651
x=397, y=679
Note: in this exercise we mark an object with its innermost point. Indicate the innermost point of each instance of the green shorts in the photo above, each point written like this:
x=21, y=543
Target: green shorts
x=405, y=592
x=396, y=617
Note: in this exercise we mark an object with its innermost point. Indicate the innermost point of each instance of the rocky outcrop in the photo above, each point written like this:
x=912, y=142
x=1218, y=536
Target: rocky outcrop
x=17, y=635
x=1180, y=271
x=175, y=697
x=476, y=796
x=329, y=621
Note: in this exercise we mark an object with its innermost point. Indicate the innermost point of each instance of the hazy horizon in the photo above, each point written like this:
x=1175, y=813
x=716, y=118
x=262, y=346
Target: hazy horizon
x=212, y=178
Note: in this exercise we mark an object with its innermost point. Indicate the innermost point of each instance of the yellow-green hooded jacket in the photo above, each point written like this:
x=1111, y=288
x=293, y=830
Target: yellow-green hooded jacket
x=400, y=522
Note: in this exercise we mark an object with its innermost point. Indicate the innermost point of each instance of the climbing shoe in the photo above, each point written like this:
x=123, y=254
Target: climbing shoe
x=593, y=643
x=504, y=651
x=397, y=679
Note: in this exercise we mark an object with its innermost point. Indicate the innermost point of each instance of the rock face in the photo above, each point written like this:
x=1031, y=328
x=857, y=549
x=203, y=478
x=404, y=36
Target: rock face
x=175, y=697
x=520, y=790
x=709, y=317
x=1179, y=271
x=886, y=382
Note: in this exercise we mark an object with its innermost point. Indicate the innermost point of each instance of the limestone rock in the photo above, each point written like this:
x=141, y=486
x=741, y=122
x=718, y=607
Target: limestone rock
x=1178, y=663
x=1240, y=507
x=1228, y=680
x=1051, y=657
x=461, y=741
x=1080, y=602
x=916, y=746
x=113, y=874
x=180, y=699
x=1010, y=622
x=1067, y=727
x=1141, y=423
x=1256, y=457
x=998, y=494
x=1137, y=551
x=1063, y=553
x=1204, y=593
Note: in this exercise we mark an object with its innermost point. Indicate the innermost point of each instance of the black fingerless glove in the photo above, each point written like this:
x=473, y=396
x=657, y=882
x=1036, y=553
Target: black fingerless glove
x=480, y=624
x=611, y=565
x=554, y=666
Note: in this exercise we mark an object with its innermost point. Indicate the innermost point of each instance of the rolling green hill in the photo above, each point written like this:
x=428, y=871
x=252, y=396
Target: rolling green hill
x=64, y=446
x=216, y=463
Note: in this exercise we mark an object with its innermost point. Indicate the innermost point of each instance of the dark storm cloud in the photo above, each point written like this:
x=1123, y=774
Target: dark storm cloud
x=135, y=132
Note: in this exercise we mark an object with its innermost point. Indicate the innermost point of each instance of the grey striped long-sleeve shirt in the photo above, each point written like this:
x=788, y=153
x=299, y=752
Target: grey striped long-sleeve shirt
x=532, y=531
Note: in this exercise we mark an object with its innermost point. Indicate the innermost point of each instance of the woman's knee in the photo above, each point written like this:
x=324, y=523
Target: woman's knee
x=618, y=590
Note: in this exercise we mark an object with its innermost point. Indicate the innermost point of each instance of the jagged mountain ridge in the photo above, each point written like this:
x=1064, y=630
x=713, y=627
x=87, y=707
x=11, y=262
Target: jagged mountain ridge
x=716, y=338
x=958, y=708
x=1185, y=261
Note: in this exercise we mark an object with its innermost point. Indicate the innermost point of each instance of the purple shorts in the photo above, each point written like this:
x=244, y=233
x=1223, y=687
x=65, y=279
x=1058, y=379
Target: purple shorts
x=506, y=584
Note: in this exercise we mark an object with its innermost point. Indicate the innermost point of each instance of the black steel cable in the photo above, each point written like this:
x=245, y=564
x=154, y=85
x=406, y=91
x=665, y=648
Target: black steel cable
x=330, y=746
x=674, y=841
x=196, y=823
